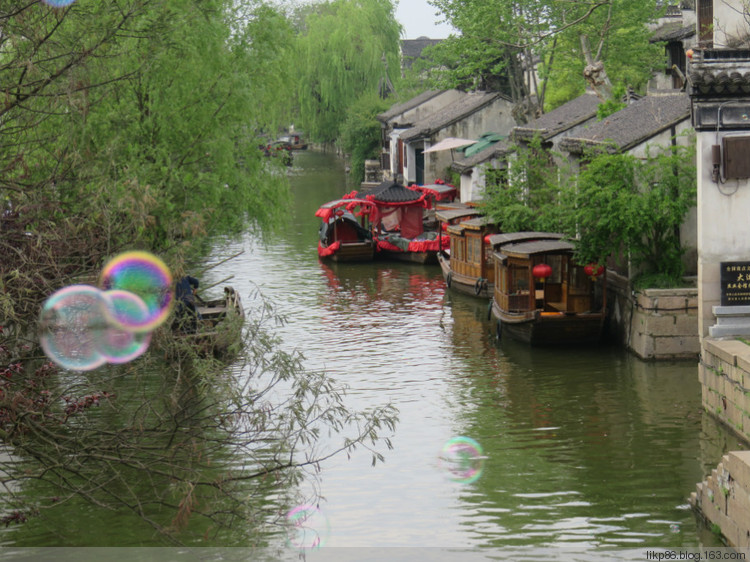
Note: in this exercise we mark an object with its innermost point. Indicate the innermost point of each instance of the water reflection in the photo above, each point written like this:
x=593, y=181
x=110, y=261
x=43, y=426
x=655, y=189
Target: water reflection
x=585, y=448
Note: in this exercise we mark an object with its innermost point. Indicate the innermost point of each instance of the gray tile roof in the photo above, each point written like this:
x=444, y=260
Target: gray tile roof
x=565, y=117
x=634, y=124
x=720, y=71
x=494, y=151
x=392, y=192
x=400, y=108
x=672, y=31
x=411, y=49
x=450, y=114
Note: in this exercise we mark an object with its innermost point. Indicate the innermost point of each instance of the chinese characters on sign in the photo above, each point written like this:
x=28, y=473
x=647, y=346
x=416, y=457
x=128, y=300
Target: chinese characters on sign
x=735, y=283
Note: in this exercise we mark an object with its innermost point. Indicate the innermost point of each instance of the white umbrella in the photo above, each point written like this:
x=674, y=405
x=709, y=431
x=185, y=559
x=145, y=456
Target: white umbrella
x=449, y=143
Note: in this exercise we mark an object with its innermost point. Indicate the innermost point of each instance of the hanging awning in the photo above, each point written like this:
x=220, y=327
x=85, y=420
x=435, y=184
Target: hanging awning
x=449, y=143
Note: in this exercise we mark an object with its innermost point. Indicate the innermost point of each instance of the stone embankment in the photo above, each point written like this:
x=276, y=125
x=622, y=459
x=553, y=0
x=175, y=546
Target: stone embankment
x=723, y=499
x=655, y=324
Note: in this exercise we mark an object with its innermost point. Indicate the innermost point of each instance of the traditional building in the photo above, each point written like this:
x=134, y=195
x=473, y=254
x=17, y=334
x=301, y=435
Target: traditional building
x=469, y=117
x=402, y=117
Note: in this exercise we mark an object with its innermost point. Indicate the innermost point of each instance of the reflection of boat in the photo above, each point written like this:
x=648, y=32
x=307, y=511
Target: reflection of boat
x=278, y=149
x=219, y=325
x=541, y=296
x=467, y=266
x=399, y=229
x=342, y=236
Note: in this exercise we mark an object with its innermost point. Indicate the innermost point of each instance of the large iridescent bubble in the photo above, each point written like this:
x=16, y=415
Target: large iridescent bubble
x=118, y=345
x=71, y=324
x=146, y=276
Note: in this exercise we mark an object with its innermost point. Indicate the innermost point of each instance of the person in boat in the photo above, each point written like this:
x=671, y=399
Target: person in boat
x=187, y=312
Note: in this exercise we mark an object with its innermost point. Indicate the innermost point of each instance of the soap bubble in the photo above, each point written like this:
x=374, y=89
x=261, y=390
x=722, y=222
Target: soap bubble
x=118, y=345
x=146, y=276
x=308, y=527
x=463, y=458
x=70, y=326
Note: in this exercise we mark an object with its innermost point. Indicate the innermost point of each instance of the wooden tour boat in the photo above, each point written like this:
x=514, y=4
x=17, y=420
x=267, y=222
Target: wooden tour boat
x=467, y=266
x=219, y=325
x=399, y=229
x=541, y=296
x=343, y=236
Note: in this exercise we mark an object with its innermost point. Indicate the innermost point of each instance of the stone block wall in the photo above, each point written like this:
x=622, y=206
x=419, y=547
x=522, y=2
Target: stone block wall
x=724, y=373
x=723, y=499
x=655, y=324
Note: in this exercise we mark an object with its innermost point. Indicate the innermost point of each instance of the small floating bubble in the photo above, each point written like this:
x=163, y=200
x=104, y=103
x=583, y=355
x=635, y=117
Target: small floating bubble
x=674, y=527
x=58, y=3
x=463, y=458
x=146, y=276
x=308, y=527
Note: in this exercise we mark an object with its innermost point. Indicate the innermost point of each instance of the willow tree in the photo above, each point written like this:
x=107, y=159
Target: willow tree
x=135, y=123
x=129, y=123
x=344, y=51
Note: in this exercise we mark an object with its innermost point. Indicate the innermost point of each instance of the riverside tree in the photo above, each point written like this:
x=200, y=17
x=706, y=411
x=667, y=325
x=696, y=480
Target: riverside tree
x=616, y=205
x=344, y=51
x=135, y=123
x=537, y=51
x=132, y=122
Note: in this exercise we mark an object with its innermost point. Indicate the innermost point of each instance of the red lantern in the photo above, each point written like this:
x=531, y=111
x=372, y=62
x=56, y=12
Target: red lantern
x=541, y=271
x=593, y=270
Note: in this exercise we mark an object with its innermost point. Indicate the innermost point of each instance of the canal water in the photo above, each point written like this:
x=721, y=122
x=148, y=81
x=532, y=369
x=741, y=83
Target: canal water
x=583, y=448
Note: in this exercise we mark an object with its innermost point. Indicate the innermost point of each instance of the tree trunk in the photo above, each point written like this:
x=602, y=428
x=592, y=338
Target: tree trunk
x=595, y=73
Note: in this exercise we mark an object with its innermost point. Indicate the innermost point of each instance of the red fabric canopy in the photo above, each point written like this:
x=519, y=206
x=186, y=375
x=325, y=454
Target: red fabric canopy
x=443, y=195
x=417, y=245
x=330, y=250
x=366, y=207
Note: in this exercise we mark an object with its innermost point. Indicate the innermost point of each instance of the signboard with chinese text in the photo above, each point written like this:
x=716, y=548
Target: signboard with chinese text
x=735, y=283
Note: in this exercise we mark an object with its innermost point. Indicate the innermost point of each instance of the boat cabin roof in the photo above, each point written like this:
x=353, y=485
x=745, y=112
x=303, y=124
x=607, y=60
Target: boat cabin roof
x=527, y=249
x=475, y=224
x=438, y=187
x=497, y=240
x=340, y=202
x=440, y=191
x=446, y=215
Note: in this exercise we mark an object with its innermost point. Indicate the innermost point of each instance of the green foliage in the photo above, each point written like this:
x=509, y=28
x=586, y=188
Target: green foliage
x=616, y=204
x=636, y=206
x=347, y=48
x=361, y=132
x=610, y=106
x=133, y=124
x=527, y=194
x=192, y=451
x=498, y=37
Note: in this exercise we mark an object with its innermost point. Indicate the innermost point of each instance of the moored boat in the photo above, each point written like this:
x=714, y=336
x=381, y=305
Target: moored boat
x=218, y=327
x=467, y=267
x=541, y=295
x=345, y=234
x=399, y=230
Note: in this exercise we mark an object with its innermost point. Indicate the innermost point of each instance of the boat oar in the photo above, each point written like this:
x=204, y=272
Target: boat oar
x=203, y=270
x=217, y=283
